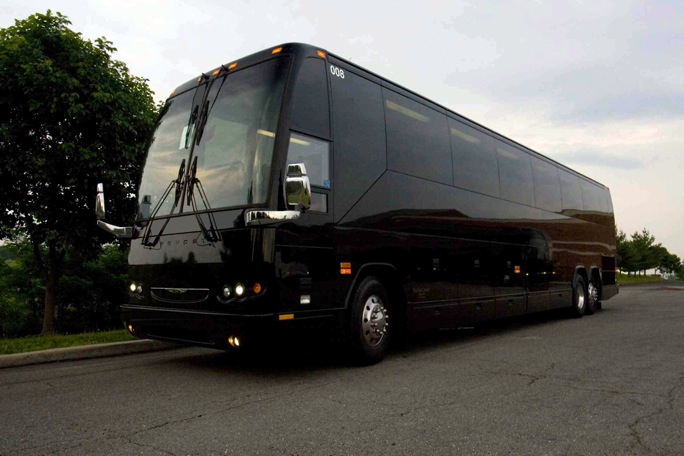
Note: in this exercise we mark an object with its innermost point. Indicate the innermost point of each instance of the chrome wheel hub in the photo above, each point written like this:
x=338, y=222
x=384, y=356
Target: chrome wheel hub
x=593, y=294
x=580, y=297
x=374, y=320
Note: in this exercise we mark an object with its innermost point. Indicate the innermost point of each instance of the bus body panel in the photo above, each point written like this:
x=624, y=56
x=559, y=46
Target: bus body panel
x=394, y=198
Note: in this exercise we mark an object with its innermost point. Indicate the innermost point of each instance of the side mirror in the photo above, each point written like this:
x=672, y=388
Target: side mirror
x=122, y=232
x=100, y=203
x=298, y=187
x=145, y=206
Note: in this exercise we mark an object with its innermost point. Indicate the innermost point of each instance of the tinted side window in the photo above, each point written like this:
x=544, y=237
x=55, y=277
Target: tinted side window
x=359, y=147
x=547, y=194
x=417, y=139
x=591, y=197
x=474, y=157
x=515, y=175
x=606, y=201
x=571, y=193
x=311, y=111
x=315, y=154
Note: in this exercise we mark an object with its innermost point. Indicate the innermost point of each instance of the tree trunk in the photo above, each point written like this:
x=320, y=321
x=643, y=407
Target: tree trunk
x=51, y=279
x=50, y=313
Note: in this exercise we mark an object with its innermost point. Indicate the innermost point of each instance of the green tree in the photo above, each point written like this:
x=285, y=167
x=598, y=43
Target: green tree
x=627, y=257
x=70, y=117
x=669, y=263
x=20, y=291
x=647, y=252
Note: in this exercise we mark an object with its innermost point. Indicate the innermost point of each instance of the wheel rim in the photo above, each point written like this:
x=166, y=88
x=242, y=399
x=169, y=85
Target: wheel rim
x=579, y=290
x=593, y=294
x=374, y=320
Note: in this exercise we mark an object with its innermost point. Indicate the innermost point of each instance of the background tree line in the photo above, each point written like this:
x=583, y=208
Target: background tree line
x=641, y=253
x=70, y=117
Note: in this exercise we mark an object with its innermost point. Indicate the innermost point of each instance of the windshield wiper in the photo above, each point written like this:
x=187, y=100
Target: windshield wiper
x=210, y=233
x=206, y=107
x=178, y=184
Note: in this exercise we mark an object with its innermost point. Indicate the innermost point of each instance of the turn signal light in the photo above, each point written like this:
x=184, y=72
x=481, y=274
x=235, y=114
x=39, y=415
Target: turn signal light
x=345, y=268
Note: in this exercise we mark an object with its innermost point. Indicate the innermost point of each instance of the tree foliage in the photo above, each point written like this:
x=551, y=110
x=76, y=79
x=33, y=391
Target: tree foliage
x=70, y=117
x=641, y=253
x=90, y=291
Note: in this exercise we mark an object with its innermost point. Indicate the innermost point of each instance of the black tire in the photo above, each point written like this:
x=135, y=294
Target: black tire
x=369, y=335
x=579, y=297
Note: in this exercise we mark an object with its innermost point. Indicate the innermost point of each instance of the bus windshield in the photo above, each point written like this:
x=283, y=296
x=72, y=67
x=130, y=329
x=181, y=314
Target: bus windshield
x=233, y=147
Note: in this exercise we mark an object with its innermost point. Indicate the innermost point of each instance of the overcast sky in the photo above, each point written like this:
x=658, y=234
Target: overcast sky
x=597, y=85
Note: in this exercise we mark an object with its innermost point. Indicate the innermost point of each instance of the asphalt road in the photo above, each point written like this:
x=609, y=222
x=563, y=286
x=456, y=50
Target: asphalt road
x=612, y=383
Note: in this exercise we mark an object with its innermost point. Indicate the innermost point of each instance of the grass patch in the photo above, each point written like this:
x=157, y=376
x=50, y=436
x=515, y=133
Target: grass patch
x=34, y=343
x=634, y=279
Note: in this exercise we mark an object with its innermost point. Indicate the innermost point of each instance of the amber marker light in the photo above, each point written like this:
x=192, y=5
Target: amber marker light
x=257, y=288
x=277, y=50
x=345, y=268
x=216, y=72
x=321, y=54
x=517, y=270
x=232, y=66
x=284, y=317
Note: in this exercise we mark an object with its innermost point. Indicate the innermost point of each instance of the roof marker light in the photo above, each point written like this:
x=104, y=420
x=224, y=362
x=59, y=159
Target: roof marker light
x=321, y=54
x=277, y=50
x=232, y=66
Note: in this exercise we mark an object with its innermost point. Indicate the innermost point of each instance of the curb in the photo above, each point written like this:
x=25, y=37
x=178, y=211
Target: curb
x=54, y=355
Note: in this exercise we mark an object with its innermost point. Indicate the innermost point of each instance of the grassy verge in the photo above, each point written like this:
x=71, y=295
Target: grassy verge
x=629, y=280
x=34, y=343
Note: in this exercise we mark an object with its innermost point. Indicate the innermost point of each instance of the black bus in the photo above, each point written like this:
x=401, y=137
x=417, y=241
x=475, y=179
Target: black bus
x=292, y=189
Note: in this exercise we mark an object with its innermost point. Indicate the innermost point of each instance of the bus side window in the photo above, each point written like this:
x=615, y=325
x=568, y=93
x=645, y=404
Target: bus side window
x=474, y=157
x=311, y=110
x=515, y=175
x=570, y=192
x=547, y=192
x=417, y=139
x=315, y=154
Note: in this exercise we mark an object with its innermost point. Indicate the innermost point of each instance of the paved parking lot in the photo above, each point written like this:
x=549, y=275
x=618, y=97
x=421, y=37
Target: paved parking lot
x=611, y=383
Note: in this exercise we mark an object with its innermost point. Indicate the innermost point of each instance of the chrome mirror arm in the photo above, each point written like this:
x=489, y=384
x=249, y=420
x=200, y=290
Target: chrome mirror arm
x=121, y=232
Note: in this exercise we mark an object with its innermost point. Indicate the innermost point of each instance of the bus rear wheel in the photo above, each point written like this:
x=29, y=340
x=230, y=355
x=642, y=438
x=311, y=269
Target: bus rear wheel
x=593, y=302
x=579, y=297
x=369, y=334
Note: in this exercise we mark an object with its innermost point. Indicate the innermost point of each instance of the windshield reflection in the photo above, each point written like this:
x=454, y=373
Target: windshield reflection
x=233, y=150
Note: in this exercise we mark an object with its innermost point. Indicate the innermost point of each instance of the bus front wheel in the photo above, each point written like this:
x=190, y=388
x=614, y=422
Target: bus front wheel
x=369, y=322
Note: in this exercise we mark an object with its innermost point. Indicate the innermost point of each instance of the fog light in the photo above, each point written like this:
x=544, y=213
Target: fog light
x=132, y=287
x=239, y=289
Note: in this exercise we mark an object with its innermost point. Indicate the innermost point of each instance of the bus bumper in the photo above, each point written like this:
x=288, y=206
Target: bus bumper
x=219, y=330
